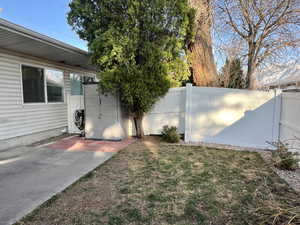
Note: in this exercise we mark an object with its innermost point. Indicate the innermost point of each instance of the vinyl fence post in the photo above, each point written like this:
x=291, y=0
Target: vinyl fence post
x=277, y=115
x=187, y=133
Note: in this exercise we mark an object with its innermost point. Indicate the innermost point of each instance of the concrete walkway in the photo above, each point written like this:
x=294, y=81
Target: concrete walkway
x=30, y=175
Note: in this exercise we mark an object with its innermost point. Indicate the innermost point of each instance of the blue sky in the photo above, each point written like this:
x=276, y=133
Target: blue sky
x=44, y=16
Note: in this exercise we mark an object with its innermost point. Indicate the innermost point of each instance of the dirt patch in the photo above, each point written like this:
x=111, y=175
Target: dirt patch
x=157, y=184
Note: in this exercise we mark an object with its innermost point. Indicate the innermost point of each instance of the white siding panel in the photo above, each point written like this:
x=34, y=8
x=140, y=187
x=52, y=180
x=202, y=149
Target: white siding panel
x=10, y=85
x=18, y=119
x=8, y=69
x=8, y=76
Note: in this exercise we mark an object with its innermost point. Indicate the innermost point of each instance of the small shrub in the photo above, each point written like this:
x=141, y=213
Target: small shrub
x=170, y=134
x=282, y=158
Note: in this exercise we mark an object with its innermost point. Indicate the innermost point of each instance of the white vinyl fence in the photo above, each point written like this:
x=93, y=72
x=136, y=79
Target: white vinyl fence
x=170, y=110
x=290, y=119
x=219, y=115
x=231, y=116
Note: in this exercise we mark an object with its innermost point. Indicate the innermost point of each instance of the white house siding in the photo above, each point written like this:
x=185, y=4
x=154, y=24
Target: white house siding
x=18, y=119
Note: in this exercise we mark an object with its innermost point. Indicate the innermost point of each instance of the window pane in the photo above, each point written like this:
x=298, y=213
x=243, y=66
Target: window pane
x=55, y=85
x=76, y=84
x=33, y=84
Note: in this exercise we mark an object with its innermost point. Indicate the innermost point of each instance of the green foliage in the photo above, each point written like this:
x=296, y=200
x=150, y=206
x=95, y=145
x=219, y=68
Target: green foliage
x=282, y=158
x=179, y=72
x=232, y=74
x=136, y=45
x=170, y=134
x=191, y=31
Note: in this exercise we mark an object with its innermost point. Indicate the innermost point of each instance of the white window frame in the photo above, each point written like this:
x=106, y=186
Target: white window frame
x=44, y=68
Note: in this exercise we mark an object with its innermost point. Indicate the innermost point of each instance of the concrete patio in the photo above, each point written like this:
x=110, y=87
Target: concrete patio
x=31, y=175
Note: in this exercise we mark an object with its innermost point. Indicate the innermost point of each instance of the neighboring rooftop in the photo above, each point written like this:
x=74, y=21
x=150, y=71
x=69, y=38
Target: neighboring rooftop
x=19, y=39
x=277, y=75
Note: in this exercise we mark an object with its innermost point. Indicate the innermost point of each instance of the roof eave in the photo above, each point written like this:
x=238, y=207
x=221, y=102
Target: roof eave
x=4, y=24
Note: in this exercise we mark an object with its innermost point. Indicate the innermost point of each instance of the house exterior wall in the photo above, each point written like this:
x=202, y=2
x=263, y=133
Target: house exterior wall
x=20, y=120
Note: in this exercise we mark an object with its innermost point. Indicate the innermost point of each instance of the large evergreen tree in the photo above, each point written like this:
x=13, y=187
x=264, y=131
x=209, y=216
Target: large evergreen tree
x=134, y=44
x=232, y=74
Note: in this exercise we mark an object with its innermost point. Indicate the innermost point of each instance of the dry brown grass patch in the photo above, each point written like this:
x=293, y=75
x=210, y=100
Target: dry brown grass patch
x=155, y=184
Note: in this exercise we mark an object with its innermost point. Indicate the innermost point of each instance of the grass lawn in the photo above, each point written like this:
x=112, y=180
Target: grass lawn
x=154, y=183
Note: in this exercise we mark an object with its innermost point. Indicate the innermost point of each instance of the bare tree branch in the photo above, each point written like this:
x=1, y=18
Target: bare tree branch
x=266, y=27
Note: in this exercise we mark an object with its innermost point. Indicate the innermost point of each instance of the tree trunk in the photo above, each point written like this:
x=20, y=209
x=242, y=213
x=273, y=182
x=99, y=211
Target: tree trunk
x=201, y=56
x=251, y=78
x=250, y=68
x=249, y=75
x=139, y=126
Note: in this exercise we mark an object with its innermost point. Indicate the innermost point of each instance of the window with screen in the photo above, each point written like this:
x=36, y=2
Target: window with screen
x=33, y=84
x=76, y=84
x=55, y=85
